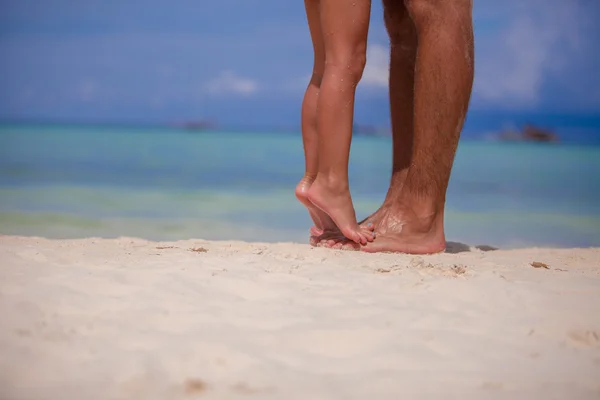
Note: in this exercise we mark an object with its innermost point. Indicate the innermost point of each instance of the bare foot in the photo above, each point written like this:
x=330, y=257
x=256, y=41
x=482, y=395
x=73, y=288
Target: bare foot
x=337, y=240
x=331, y=238
x=370, y=223
x=375, y=218
x=321, y=239
x=337, y=203
x=322, y=221
x=400, y=230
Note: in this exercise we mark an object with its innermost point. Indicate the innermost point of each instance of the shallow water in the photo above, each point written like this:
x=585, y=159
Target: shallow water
x=170, y=184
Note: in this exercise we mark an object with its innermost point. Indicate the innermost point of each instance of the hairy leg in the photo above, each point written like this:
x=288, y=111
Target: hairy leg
x=345, y=29
x=444, y=66
x=403, y=50
x=321, y=220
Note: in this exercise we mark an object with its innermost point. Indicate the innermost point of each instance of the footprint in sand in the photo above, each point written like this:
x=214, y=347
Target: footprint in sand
x=585, y=338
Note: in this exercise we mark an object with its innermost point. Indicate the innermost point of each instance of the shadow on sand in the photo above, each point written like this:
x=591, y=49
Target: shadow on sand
x=456, y=247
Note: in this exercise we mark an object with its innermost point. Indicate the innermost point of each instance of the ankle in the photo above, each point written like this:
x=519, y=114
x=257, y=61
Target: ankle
x=422, y=224
x=332, y=182
x=423, y=209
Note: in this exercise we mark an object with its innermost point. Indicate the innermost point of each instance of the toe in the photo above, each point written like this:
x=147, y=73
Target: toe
x=341, y=239
x=314, y=241
x=369, y=235
x=329, y=243
x=362, y=238
x=367, y=225
x=351, y=246
x=314, y=231
x=354, y=236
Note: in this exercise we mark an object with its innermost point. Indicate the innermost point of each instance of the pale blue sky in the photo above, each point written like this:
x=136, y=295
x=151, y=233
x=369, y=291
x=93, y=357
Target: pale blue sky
x=247, y=61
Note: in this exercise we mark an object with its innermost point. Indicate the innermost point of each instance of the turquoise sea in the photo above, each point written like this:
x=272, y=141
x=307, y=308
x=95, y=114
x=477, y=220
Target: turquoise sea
x=76, y=181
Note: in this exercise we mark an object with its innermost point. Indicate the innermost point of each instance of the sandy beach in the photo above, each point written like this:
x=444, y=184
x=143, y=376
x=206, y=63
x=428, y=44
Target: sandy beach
x=134, y=319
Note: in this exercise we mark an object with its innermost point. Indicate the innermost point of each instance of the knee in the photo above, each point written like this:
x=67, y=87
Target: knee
x=399, y=25
x=425, y=12
x=316, y=78
x=318, y=70
x=349, y=64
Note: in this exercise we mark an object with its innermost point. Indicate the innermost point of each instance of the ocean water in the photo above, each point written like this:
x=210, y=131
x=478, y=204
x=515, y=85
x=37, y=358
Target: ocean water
x=166, y=184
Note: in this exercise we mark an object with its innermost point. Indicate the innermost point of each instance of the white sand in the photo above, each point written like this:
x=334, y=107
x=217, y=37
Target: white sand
x=123, y=319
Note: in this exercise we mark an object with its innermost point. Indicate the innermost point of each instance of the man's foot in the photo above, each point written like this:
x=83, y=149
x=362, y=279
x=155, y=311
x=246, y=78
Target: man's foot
x=401, y=230
x=322, y=221
x=337, y=203
x=375, y=218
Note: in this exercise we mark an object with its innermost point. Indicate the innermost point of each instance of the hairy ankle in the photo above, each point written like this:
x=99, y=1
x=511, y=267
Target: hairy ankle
x=424, y=205
x=423, y=214
x=427, y=224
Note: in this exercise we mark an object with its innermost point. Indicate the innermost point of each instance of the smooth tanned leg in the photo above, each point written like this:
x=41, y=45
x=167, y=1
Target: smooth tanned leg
x=403, y=50
x=345, y=27
x=322, y=221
